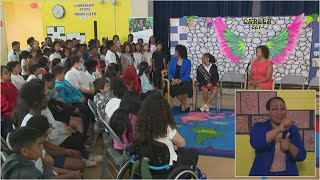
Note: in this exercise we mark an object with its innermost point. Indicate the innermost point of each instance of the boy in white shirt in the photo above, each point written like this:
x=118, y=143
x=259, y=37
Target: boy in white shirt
x=35, y=71
x=30, y=42
x=110, y=56
x=13, y=55
x=14, y=68
x=24, y=63
x=91, y=66
x=56, y=54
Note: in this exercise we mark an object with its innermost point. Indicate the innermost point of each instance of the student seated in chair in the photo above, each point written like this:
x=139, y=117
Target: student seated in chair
x=27, y=146
x=157, y=123
x=207, y=78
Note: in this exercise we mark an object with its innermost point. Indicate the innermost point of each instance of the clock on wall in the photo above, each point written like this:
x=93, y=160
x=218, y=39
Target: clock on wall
x=58, y=11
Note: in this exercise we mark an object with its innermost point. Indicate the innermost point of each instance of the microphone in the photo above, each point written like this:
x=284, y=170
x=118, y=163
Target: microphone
x=247, y=72
x=247, y=68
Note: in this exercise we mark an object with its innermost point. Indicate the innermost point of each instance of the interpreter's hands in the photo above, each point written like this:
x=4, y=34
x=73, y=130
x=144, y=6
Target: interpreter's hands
x=84, y=99
x=73, y=153
x=76, y=110
x=68, y=130
x=175, y=147
x=285, y=143
x=286, y=123
x=47, y=160
x=209, y=85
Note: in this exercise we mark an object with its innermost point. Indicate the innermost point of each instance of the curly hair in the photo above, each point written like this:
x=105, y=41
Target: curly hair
x=265, y=51
x=154, y=118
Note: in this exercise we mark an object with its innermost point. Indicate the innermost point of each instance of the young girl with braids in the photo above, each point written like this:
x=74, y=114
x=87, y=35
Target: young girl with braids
x=207, y=77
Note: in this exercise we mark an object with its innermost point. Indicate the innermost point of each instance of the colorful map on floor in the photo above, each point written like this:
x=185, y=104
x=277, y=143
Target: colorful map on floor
x=211, y=133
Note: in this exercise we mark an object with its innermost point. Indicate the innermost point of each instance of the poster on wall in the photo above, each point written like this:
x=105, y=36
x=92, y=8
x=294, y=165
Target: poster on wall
x=79, y=36
x=141, y=28
x=56, y=32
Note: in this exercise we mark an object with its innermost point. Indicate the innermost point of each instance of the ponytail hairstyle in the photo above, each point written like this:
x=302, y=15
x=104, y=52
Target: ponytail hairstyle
x=143, y=68
x=211, y=58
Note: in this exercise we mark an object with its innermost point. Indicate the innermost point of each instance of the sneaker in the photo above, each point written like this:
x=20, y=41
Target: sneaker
x=96, y=158
x=89, y=163
x=203, y=108
x=207, y=108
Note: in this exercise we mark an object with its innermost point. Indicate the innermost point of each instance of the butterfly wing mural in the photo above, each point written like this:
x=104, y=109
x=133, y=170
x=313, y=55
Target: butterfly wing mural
x=230, y=44
x=281, y=45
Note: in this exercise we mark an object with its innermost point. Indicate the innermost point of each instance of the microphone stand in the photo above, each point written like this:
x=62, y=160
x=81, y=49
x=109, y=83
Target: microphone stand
x=247, y=78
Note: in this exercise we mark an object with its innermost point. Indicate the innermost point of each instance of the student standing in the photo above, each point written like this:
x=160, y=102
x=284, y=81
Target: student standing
x=13, y=55
x=159, y=64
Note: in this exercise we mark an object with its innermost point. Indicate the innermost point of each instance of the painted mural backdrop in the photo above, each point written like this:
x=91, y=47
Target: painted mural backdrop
x=201, y=35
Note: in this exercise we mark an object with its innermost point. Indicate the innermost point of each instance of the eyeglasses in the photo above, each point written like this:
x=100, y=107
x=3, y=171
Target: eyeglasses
x=274, y=110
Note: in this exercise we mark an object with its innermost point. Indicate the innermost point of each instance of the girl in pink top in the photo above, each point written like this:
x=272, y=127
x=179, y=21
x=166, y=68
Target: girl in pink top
x=123, y=120
x=260, y=76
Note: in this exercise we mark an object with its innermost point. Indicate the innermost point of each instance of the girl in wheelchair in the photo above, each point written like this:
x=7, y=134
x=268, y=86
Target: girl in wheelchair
x=123, y=121
x=156, y=122
x=207, y=78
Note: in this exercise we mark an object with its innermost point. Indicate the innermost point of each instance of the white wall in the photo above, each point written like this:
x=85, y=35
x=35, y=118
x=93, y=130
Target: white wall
x=141, y=8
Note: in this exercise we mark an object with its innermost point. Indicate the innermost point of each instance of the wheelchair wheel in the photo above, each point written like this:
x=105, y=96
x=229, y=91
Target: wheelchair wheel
x=125, y=171
x=182, y=172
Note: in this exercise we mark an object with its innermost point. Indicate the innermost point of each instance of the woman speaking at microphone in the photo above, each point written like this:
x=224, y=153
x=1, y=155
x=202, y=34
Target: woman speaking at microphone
x=260, y=76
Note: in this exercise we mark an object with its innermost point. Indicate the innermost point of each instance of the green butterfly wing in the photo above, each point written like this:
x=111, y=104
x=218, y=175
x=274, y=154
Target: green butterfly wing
x=236, y=44
x=278, y=43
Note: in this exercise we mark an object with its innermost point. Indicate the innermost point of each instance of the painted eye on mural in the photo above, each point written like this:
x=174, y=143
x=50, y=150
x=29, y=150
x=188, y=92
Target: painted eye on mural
x=58, y=11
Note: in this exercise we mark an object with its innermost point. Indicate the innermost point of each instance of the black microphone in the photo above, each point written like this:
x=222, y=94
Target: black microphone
x=247, y=69
x=247, y=72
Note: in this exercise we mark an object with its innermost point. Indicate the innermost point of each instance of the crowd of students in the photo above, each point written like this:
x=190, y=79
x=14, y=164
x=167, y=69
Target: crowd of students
x=44, y=102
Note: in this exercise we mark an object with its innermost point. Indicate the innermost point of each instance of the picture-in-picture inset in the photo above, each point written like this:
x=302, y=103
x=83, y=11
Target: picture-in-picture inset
x=275, y=133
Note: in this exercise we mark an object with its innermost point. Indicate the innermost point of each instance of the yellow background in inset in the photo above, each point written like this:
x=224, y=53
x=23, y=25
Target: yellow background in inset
x=295, y=100
x=22, y=21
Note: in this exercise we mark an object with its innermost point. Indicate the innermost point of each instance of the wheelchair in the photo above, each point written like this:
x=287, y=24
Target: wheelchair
x=157, y=156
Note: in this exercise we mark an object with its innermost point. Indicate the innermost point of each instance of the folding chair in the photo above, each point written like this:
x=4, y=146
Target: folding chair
x=292, y=81
x=116, y=159
x=230, y=80
x=96, y=128
x=4, y=150
x=314, y=83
